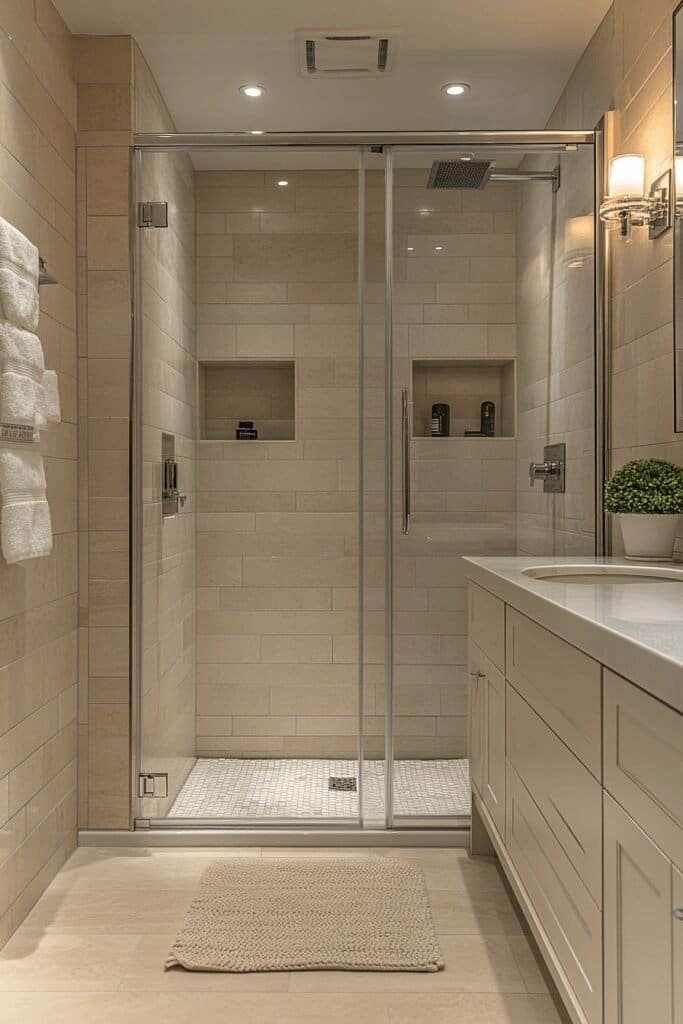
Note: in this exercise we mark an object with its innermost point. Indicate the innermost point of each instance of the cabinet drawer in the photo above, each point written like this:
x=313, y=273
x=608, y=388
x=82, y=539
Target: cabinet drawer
x=569, y=915
x=486, y=624
x=566, y=793
x=643, y=762
x=560, y=683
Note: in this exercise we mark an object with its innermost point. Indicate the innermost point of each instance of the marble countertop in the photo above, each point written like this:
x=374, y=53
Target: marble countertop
x=635, y=629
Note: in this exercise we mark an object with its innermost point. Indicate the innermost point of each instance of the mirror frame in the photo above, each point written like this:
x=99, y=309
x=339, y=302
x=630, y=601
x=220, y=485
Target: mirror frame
x=677, y=219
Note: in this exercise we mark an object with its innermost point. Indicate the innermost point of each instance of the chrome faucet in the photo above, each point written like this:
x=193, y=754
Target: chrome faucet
x=543, y=470
x=552, y=470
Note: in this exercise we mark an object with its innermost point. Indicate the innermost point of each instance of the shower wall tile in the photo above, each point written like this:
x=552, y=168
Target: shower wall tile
x=38, y=599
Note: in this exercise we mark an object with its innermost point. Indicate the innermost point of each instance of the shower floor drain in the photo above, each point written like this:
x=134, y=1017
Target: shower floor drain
x=343, y=783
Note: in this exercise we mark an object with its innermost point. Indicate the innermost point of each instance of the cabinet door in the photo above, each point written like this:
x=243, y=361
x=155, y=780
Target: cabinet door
x=477, y=691
x=494, y=747
x=637, y=923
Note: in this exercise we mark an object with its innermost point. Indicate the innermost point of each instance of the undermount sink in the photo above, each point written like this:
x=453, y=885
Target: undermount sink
x=610, y=574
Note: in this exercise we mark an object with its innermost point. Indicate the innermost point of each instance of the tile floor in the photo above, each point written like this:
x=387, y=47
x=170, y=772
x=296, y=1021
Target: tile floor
x=92, y=950
x=219, y=787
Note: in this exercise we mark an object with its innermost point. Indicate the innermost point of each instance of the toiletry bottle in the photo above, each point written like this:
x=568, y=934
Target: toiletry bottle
x=441, y=420
x=488, y=419
x=246, y=431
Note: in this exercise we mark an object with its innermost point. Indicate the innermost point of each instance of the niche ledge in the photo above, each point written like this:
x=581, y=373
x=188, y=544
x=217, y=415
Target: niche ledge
x=463, y=384
x=233, y=390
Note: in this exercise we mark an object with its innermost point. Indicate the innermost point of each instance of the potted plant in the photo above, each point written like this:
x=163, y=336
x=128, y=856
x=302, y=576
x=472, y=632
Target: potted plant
x=647, y=497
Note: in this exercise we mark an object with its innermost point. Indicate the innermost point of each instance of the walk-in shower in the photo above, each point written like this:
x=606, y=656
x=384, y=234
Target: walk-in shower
x=300, y=620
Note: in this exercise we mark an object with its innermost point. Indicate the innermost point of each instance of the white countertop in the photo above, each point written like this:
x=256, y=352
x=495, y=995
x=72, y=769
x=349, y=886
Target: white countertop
x=635, y=629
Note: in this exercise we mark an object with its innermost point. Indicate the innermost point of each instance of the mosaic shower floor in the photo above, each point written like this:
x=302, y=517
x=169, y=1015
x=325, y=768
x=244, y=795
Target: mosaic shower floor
x=300, y=788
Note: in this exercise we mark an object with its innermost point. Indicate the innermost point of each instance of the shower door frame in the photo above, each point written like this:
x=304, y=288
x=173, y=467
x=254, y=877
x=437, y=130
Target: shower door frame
x=363, y=143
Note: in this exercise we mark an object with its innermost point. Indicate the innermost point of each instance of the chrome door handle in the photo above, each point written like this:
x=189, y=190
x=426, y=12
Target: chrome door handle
x=405, y=459
x=678, y=913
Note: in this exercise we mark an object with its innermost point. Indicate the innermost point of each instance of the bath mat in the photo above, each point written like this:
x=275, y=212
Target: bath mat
x=308, y=914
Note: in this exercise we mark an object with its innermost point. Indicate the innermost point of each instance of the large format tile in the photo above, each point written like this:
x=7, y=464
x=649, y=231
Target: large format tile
x=33, y=961
x=473, y=1008
x=179, y=1008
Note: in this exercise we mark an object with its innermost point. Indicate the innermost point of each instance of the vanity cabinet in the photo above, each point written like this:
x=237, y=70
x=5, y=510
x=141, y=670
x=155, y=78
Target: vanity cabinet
x=486, y=658
x=577, y=777
x=487, y=734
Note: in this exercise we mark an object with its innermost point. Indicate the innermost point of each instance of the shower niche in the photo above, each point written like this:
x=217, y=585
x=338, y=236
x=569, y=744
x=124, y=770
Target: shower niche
x=247, y=400
x=463, y=385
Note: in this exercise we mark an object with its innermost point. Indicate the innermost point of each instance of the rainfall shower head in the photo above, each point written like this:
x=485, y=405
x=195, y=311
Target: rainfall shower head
x=478, y=173
x=460, y=173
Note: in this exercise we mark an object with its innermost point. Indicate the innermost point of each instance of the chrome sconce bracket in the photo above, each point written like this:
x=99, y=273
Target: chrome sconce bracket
x=652, y=211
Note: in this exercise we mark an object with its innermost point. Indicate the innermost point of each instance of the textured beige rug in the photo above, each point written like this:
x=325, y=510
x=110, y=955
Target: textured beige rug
x=307, y=914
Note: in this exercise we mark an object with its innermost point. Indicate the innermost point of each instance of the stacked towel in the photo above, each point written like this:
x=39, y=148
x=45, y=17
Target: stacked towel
x=19, y=271
x=23, y=398
x=51, y=406
x=28, y=398
x=26, y=529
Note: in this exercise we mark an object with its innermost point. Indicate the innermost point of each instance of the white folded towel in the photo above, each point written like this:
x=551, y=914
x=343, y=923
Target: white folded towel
x=51, y=406
x=26, y=530
x=19, y=272
x=22, y=377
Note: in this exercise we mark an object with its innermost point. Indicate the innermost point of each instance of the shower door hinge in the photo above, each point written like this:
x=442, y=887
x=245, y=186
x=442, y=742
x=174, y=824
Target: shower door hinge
x=153, y=784
x=152, y=215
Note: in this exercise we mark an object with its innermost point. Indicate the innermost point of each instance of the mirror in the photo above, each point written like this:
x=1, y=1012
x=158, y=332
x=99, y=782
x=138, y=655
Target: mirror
x=678, y=215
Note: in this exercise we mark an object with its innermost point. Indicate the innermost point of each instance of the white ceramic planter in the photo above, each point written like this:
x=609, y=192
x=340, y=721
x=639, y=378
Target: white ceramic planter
x=649, y=537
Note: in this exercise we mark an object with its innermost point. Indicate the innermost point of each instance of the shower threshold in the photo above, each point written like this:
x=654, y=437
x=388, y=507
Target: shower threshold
x=291, y=788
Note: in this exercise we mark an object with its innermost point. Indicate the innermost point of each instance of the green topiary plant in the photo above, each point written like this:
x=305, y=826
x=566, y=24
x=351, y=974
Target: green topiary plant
x=646, y=487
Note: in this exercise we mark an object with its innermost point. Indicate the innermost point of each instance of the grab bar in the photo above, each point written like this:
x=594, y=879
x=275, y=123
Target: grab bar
x=405, y=459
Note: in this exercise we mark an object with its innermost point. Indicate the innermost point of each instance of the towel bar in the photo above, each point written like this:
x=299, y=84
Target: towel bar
x=45, y=277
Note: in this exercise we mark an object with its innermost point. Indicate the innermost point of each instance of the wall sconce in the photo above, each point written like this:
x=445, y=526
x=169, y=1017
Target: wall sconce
x=627, y=205
x=678, y=183
x=578, y=240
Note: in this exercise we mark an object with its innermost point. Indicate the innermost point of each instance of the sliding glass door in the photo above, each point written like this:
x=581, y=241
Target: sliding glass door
x=345, y=358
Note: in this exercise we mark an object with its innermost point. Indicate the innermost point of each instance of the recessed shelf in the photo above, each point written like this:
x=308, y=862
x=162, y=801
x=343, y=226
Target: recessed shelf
x=463, y=384
x=233, y=390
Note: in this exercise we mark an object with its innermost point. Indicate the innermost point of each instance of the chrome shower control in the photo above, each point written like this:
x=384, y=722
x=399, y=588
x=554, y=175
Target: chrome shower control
x=552, y=470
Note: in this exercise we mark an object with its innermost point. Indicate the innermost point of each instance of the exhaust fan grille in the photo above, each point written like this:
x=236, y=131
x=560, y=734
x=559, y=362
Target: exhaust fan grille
x=460, y=173
x=345, y=53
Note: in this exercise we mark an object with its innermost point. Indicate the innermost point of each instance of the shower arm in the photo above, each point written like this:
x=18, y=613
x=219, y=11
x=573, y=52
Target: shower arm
x=512, y=175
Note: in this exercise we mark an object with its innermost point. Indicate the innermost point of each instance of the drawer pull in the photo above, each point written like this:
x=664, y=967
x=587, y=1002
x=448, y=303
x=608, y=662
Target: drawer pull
x=678, y=913
x=477, y=674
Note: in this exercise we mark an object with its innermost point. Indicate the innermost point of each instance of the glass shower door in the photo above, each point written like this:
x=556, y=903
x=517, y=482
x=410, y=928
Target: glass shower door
x=256, y=690
x=490, y=356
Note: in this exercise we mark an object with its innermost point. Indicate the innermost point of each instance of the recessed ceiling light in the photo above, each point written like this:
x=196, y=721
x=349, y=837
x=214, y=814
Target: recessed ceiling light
x=455, y=88
x=252, y=91
x=411, y=248
x=438, y=248
x=424, y=213
x=256, y=131
x=283, y=183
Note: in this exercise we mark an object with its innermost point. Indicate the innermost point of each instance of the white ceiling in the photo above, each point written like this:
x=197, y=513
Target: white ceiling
x=516, y=55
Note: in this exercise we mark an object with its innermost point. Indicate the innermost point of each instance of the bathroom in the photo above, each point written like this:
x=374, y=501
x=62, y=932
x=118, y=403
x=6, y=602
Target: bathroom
x=344, y=368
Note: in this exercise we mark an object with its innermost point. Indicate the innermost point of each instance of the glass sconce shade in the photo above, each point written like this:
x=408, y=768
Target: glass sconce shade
x=627, y=203
x=626, y=175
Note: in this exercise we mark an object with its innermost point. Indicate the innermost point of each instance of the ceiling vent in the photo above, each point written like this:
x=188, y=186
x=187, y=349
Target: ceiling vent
x=345, y=53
